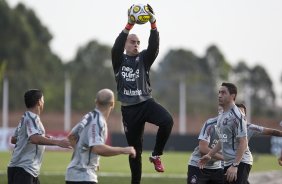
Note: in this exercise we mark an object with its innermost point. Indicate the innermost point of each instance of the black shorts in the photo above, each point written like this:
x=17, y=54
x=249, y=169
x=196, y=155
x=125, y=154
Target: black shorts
x=17, y=175
x=242, y=174
x=195, y=175
x=135, y=117
x=80, y=182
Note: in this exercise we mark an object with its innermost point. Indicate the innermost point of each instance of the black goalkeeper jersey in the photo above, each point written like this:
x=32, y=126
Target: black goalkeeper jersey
x=132, y=72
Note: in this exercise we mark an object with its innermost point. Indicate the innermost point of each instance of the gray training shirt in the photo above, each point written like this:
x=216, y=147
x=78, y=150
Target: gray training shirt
x=232, y=125
x=90, y=131
x=27, y=155
x=209, y=135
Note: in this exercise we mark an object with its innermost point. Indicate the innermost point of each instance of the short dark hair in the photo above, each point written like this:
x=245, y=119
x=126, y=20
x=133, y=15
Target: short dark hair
x=31, y=97
x=241, y=105
x=231, y=88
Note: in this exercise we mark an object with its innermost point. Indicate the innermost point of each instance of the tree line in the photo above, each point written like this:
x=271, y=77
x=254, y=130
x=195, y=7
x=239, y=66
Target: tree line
x=28, y=62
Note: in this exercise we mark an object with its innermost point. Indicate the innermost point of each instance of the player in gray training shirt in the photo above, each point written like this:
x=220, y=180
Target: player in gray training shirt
x=208, y=139
x=213, y=171
x=232, y=131
x=30, y=139
x=231, y=126
x=88, y=139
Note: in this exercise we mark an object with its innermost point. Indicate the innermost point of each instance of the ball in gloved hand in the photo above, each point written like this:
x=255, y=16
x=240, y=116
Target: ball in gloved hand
x=138, y=13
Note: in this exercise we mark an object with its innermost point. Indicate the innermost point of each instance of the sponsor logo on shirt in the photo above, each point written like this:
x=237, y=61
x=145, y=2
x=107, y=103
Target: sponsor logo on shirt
x=128, y=73
x=214, y=142
x=93, y=130
x=223, y=137
x=130, y=92
x=224, y=122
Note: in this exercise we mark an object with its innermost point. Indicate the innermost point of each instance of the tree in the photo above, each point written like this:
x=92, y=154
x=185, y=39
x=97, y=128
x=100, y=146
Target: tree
x=90, y=71
x=30, y=62
x=263, y=98
x=260, y=85
x=183, y=65
x=219, y=67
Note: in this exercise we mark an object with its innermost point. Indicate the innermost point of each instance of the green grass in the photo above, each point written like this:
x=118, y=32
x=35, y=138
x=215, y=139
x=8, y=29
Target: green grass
x=55, y=163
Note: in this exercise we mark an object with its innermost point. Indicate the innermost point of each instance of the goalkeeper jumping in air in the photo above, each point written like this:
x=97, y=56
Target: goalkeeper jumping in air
x=134, y=92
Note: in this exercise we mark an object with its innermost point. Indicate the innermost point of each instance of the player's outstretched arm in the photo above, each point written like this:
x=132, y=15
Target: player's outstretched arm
x=106, y=150
x=41, y=140
x=272, y=132
x=72, y=139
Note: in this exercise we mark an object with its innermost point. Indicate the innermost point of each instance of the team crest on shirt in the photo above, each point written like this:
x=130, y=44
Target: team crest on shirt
x=194, y=179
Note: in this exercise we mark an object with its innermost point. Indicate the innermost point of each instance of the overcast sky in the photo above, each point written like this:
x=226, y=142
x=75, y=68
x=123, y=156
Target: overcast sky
x=249, y=30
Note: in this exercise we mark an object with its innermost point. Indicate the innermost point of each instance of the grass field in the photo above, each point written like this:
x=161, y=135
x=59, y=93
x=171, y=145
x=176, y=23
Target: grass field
x=116, y=169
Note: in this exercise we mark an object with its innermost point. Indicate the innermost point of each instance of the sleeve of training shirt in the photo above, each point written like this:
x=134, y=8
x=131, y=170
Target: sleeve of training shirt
x=117, y=51
x=253, y=129
x=152, y=49
x=16, y=133
x=75, y=129
x=80, y=125
x=204, y=134
x=95, y=134
x=32, y=127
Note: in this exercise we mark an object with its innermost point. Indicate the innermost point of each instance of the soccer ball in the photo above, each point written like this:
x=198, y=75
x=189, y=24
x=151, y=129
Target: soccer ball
x=139, y=13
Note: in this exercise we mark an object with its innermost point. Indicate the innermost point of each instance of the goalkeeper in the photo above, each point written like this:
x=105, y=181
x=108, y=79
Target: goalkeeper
x=134, y=92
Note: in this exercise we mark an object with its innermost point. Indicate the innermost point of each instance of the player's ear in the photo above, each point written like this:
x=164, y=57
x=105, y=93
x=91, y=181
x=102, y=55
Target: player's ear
x=112, y=104
x=39, y=102
x=233, y=96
